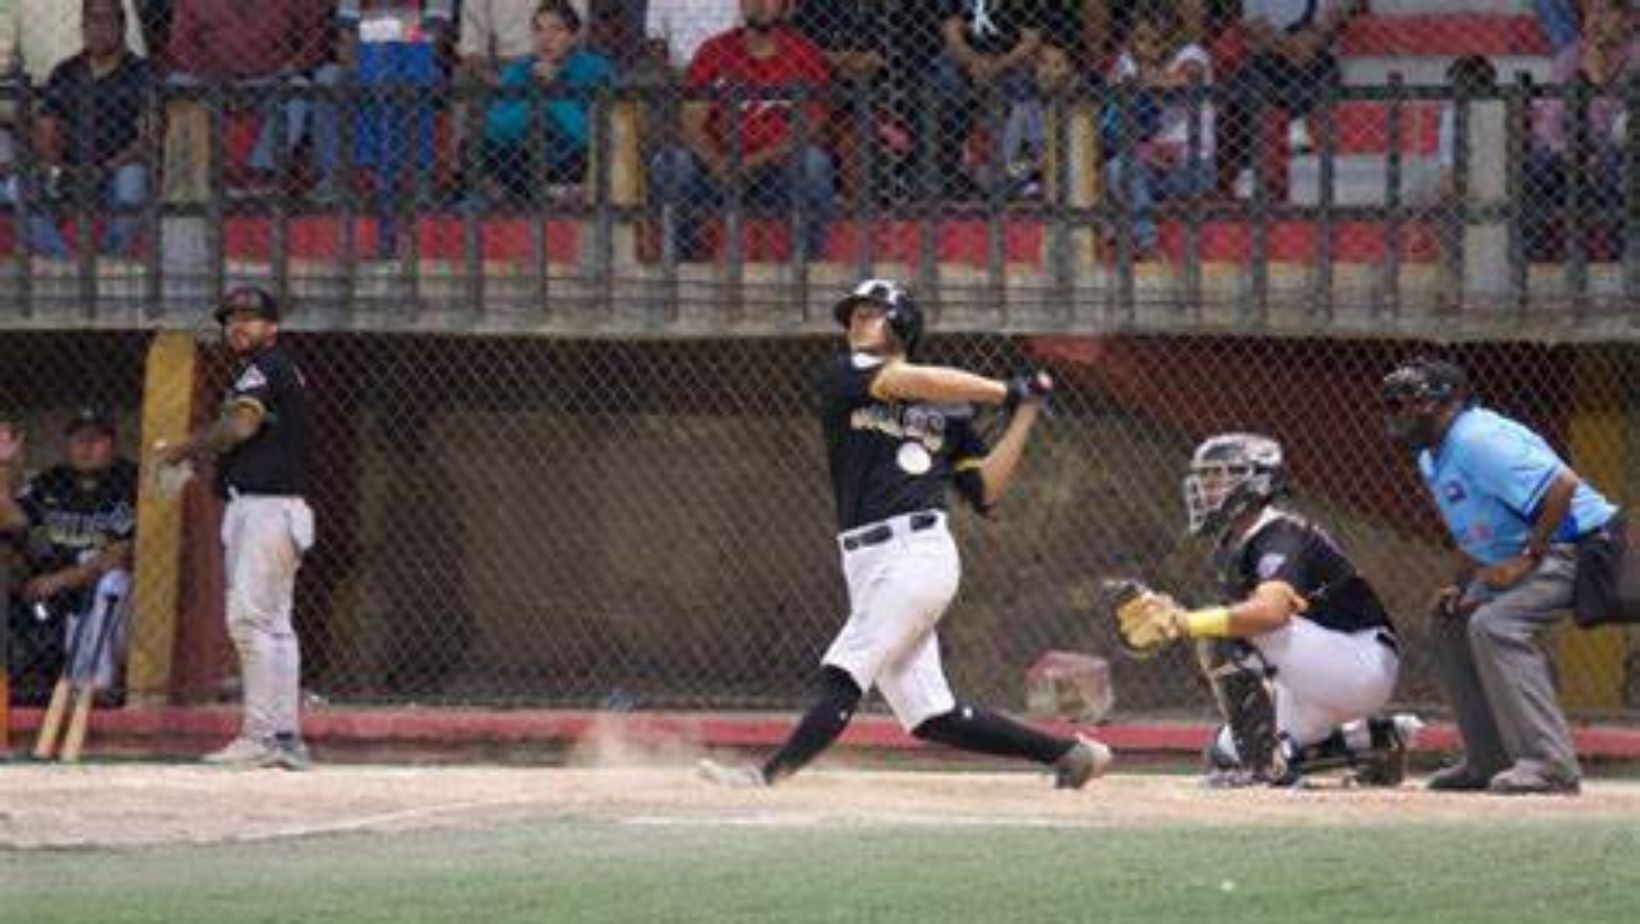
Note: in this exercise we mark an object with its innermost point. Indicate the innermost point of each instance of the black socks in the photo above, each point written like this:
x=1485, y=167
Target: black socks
x=838, y=695
x=973, y=728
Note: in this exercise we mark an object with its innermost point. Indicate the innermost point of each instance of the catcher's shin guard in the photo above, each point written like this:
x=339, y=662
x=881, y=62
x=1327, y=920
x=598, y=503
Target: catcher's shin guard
x=1241, y=684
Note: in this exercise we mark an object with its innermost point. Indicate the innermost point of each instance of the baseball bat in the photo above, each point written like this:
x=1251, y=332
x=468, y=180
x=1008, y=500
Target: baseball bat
x=52, y=725
x=74, y=741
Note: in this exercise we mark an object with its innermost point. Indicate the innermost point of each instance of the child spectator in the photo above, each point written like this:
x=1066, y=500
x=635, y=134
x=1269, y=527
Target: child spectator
x=558, y=60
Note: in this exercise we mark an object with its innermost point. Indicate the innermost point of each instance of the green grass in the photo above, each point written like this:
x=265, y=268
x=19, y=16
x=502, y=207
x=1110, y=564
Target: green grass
x=572, y=870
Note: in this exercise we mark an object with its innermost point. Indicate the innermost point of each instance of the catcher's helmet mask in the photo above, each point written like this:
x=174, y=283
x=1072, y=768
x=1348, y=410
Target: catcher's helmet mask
x=904, y=318
x=1231, y=474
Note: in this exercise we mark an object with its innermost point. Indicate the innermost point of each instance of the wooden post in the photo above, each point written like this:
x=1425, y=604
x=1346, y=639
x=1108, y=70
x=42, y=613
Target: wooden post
x=167, y=406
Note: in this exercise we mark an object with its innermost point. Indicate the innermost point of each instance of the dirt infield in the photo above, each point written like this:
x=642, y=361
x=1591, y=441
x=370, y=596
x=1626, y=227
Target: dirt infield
x=133, y=805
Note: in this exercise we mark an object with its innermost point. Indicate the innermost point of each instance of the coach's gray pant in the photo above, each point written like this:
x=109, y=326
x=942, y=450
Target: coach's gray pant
x=1498, y=676
x=263, y=539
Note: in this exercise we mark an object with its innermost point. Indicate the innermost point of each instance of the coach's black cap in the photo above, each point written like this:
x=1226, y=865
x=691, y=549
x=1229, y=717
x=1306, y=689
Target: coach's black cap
x=252, y=299
x=96, y=416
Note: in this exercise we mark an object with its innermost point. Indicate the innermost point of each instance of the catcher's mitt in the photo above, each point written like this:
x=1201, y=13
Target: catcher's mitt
x=1146, y=621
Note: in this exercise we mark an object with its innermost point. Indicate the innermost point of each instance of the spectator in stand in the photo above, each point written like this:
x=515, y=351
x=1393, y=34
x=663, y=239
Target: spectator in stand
x=277, y=43
x=392, y=45
x=1607, y=55
x=1161, y=165
x=990, y=47
x=863, y=42
x=678, y=28
x=93, y=132
x=778, y=160
x=564, y=132
x=35, y=37
x=1291, y=64
x=48, y=32
x=498, y=33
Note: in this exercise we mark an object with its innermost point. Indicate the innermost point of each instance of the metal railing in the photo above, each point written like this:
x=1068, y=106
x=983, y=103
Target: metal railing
x=598, y=256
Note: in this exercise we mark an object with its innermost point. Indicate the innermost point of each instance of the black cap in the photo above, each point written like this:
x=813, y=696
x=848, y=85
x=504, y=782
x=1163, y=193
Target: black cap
x=253, y=299
x=96, y=416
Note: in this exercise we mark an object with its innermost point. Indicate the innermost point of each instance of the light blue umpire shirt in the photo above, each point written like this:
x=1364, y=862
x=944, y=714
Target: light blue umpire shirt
x=1489, y=476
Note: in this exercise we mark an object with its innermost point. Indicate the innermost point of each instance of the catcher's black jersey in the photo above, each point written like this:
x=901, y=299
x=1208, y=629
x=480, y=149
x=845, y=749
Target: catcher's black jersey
x=888, y=457
x=70, y=513
x=275, y=459
x=1286, y=547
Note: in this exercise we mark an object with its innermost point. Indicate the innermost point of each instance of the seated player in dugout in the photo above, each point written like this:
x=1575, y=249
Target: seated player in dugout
x=1305, y=653
x=899, y=437
x=75, y=524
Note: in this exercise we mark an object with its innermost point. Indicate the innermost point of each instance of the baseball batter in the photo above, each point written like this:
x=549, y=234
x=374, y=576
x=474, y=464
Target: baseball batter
x=1305, y=653
x=262, y=442
x=898, y=436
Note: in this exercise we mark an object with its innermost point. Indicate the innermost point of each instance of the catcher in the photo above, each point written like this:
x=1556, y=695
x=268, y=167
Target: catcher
x=1305, y=654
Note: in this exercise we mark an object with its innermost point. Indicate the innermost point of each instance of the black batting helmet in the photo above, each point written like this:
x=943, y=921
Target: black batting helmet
x=1424, y=378
x=904, y=318
x=252, y=299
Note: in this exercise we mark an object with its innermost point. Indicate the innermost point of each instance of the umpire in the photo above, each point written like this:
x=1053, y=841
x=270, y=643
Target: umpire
x=261, y=441
x=1518, y=514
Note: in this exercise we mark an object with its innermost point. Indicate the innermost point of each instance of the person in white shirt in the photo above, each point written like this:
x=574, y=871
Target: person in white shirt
x=682, y=26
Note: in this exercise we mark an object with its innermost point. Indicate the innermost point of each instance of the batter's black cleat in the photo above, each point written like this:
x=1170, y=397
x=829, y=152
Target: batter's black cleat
x=1086, y=760
x=732, y=777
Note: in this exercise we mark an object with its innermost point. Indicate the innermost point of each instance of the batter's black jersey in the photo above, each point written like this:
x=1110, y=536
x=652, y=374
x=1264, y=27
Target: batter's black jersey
x=275, y=459
x=1286, y=547
x=71, y=514
x=888, y=457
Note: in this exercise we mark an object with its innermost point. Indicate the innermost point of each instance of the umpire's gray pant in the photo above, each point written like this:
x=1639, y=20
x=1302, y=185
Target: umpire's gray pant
x=1498, y=676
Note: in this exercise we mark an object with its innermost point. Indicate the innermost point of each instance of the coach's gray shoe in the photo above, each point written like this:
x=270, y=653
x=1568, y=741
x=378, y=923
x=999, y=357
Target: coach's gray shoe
x=247, y=753
x=1087, y=759
x=741, y=777
x=293, y=754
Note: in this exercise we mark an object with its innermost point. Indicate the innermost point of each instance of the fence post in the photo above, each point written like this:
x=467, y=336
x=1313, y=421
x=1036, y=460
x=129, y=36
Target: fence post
x=167, y=406
x=187, y=158
x=1485, y=170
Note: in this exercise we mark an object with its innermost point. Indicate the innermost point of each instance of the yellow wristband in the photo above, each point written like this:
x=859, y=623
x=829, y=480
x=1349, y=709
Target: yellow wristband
x=1211, y=622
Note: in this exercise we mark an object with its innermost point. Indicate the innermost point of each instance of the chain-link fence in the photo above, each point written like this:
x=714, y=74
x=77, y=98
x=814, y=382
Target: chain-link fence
x=533, y=520
x=679, y=164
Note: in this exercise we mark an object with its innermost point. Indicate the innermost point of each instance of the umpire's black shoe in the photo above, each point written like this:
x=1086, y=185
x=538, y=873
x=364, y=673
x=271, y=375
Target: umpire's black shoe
x=1458, y=778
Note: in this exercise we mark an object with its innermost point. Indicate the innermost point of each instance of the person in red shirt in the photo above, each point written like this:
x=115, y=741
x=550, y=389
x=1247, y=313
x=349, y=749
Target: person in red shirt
x=768, y=145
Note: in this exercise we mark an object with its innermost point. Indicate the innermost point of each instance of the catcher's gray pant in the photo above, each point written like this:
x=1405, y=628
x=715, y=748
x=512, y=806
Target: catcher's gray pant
x=898, y=589
x=1499, y=678
x=1323, y=679
x=264, y=538
x=97, y=647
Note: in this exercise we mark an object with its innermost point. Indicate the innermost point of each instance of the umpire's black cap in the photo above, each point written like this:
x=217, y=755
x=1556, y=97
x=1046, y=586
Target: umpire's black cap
x=252, y=299
x=1425, y=378
x=94, y=416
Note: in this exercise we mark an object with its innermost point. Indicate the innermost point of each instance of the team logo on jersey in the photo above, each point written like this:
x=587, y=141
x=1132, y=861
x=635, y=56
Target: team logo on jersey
x=918, y=423
x=1269, y=565
x=250, y=380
